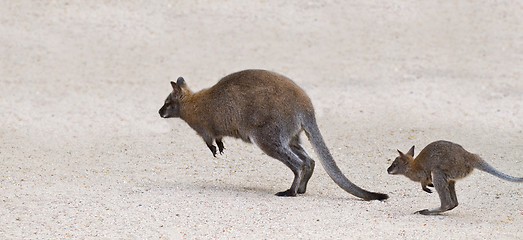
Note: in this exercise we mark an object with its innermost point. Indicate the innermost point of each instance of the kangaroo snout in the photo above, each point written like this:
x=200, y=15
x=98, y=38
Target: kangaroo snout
x=162, y=112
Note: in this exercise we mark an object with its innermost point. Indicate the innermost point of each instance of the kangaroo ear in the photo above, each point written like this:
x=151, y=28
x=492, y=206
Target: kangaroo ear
x=401, y=154
x=176, y=88
x=411, y=152
x=180, y=82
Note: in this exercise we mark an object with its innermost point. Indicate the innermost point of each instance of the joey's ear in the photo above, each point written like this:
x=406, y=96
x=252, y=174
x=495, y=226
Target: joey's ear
x=173, y=84
x=411, y=152
x=401, y=154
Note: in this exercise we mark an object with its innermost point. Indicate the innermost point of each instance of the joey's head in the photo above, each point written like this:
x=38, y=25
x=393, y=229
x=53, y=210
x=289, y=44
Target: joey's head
x=401, y=163
x=171, y=106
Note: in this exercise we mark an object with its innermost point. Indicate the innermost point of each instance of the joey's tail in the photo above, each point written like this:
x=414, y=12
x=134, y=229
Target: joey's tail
x=311, y=128
x=484, y=166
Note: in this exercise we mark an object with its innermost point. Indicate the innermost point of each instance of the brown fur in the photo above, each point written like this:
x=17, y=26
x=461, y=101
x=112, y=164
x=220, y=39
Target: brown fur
x=263, y=108
x=440, y=164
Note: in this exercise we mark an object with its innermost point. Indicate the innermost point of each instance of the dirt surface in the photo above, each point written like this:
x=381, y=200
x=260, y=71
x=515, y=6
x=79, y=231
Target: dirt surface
x=84, y=153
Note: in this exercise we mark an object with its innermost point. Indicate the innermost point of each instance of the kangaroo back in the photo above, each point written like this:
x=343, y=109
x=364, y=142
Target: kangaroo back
x=484, y=166
x=313, y=133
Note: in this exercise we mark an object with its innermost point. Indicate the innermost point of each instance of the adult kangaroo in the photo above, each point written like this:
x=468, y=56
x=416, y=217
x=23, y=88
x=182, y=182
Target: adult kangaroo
x=264, y=108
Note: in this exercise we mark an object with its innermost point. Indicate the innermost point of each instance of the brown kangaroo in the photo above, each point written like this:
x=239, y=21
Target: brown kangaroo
x=439, y=165
x=264, y=108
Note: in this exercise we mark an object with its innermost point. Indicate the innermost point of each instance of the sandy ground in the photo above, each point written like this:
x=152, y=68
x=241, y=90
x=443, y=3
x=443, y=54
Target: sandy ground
x=84, y=153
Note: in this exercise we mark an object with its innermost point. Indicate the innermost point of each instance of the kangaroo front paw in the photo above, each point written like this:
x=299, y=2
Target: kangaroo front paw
x=220, y=146
x=213, y=149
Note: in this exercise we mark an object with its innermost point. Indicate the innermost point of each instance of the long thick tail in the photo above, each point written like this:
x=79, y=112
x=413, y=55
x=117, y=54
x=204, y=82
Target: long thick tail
x=313, y=132
x=484, y=166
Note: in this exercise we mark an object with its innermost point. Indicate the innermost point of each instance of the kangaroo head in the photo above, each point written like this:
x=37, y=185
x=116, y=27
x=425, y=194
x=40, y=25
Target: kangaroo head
x=400, y=164
x=171, y=106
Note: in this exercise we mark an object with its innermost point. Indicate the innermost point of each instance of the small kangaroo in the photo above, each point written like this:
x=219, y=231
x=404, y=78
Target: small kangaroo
x=264, y=108
x=439, y=165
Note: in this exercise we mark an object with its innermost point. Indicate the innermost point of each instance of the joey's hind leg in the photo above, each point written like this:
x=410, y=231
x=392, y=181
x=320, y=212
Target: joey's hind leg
x=297, y=148
x=452, y=189
x=282, y=151
x=446, y=192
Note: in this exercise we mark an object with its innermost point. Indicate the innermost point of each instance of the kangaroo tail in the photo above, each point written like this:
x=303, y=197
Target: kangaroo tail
x=314, y=135
x=484, y=166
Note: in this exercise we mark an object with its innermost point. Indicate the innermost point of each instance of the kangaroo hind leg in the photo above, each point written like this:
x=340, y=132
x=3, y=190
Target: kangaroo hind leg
x=446, y=192
x=284, y=153
x=452, y=189
x=309, y=164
